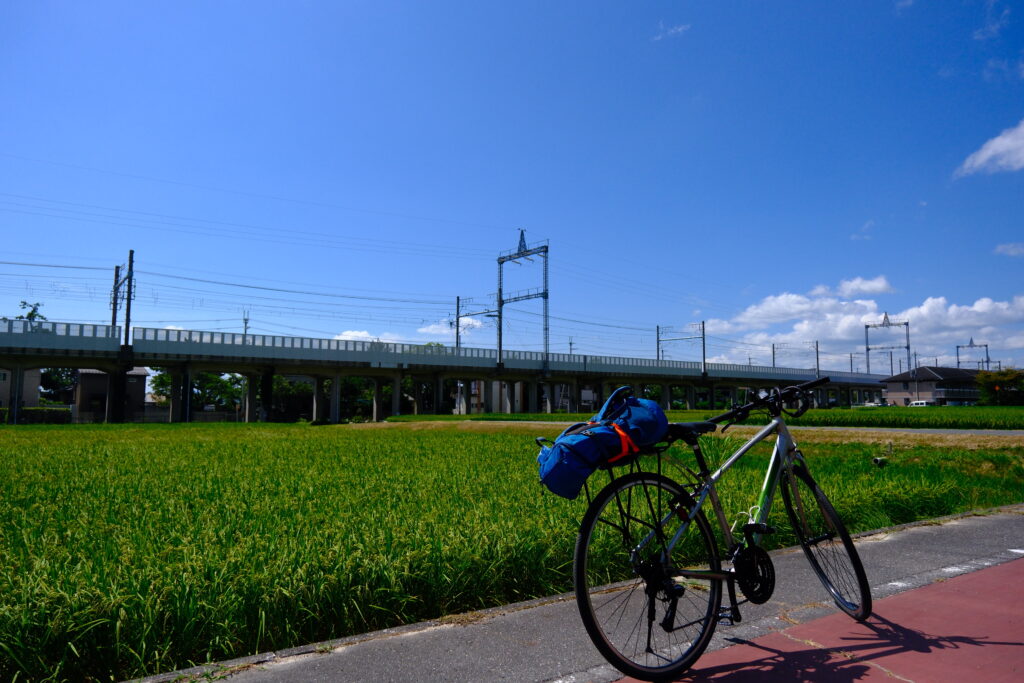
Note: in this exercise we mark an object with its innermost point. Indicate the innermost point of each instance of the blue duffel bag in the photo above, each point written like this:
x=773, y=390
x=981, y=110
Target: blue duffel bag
x=623, y=427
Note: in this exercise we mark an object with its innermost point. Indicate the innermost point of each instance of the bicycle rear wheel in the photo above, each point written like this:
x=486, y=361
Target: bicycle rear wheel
x=643, y=599
x=826, y=543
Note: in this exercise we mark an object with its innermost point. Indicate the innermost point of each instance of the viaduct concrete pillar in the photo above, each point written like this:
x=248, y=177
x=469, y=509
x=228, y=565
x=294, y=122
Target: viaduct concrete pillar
x=508, y=397
x=666, y=396
x=691, y=397
x=251, y=395
x=335, y=401
x=174, y=414
x=549, y=397
x=318, y=399
x=117, y=385
x=439, y=396
x=14, y=398
x=266, y=395
x=396, y=394
x=488, y=396
x=186, y=391
x=378, y=400
x=461, y=397
x=531, y=388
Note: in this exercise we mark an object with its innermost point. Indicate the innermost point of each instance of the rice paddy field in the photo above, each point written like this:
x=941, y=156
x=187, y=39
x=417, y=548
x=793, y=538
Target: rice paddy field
x=932, y=417
x=131, y=550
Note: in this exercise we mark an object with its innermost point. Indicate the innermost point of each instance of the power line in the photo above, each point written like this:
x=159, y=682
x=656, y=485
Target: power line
x=52, y=265
x=293, y=291
x=245, y=193
x=344, y=242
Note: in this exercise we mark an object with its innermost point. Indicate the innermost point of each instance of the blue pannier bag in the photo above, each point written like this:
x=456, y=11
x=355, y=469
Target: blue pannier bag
x=623, y=427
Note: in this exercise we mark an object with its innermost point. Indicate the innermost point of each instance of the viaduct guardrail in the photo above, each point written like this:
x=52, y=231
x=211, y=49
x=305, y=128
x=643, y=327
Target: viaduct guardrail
x=171, y=343
x=32, y=344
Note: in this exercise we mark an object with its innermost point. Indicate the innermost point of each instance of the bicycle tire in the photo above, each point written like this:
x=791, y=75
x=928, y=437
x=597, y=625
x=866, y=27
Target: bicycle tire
x=641, y=614
x=826, y=543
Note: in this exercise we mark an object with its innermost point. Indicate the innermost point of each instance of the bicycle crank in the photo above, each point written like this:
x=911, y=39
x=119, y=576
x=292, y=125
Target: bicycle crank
x=755, y=573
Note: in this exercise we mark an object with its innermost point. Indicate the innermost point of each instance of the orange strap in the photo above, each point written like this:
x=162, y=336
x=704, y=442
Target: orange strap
x=628, y=447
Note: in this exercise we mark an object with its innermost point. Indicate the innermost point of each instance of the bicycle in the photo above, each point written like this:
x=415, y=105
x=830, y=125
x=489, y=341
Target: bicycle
x=647, y=571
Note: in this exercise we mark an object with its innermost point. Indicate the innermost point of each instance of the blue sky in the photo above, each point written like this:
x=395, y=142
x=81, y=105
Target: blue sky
x=787, y=172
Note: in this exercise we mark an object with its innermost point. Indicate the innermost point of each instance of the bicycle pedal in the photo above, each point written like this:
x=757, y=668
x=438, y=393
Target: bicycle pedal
x=725, y=617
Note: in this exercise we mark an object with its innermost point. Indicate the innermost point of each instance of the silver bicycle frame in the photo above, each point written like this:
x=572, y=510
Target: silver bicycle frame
x=783, y=456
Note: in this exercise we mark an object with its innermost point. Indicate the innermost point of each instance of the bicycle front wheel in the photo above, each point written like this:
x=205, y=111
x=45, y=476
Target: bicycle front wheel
x=642, y=577
x=826, y=543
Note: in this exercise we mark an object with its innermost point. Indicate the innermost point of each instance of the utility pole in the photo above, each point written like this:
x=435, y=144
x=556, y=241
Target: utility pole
x=657, y=342
x=660, y=354
x=972, y=345
x=127, y=281
x=703, y=351
x=885, y=323
x=817, y=361
x=114, y=297
x=773, y=354
x=523, y=252
x=458, y=323
x=245, y=322
x=130, y=294
x=570, y=346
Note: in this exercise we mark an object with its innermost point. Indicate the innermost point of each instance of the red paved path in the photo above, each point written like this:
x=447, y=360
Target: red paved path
x=968, y=629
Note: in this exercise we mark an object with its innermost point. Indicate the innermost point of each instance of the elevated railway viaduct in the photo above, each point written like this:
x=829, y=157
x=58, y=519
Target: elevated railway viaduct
x=447, y=379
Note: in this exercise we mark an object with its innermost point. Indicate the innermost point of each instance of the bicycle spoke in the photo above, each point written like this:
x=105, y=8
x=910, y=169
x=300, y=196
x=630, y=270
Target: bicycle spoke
x=643, y=615
x=827, y=545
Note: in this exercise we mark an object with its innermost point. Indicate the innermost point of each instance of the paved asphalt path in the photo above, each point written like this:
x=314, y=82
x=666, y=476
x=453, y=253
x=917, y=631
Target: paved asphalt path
x=949, y=606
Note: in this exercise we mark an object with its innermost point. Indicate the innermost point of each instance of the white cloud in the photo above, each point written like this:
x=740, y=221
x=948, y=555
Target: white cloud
x=1011, y=249
x=864, y=233
x=364, y=335
x=786, y=307
x=793, y=322
x=446, y=328
x=936, y=314
x=670, y=31
x=995, y=21
x=858, y=285
x=850, y=288
x=1005, y=152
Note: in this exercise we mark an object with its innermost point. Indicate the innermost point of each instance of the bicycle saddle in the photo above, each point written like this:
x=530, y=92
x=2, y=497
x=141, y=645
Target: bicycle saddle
x=689, y=431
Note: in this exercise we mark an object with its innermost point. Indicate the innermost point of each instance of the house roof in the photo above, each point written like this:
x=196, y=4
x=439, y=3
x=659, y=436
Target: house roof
x=134, y=371
x=930, y=373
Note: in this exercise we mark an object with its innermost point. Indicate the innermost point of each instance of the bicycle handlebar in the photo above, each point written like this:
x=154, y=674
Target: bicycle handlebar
x=773, y=400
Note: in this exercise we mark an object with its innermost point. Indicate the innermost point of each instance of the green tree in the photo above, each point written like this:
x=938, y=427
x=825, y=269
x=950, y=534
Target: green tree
x=1001, y=388
x=32, y=315
x=222, y=391
x=57, y=385
x=33, y=311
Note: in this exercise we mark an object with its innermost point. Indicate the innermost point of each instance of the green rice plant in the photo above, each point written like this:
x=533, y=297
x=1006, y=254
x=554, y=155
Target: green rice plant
x=936, y=417
x=127, y=550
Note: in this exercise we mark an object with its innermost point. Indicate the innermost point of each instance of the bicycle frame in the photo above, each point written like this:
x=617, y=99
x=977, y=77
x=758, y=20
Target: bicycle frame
x=783, y=456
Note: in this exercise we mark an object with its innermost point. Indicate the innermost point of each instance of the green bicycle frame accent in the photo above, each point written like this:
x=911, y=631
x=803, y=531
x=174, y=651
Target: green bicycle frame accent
x=783, y=456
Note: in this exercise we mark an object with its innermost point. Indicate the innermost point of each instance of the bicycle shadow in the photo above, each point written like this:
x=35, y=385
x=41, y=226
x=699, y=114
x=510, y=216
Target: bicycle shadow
x=849, y=661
